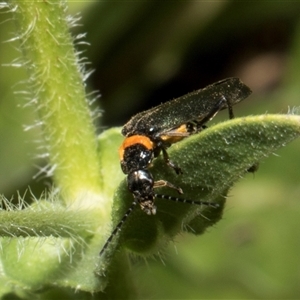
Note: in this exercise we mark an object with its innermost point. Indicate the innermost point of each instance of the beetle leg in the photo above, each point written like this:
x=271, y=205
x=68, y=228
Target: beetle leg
x=214, y=111
x=170, y=163
x=162, y=183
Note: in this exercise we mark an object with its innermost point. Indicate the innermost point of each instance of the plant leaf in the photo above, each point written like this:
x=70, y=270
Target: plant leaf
x=212, y=162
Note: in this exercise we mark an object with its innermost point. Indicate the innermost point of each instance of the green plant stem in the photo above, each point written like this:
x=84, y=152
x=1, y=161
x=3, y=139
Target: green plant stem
x=57, y=84
x=58, y=223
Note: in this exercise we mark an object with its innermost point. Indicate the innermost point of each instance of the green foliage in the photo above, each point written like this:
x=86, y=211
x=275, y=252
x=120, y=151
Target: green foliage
x=50, y=246
x=212, y=162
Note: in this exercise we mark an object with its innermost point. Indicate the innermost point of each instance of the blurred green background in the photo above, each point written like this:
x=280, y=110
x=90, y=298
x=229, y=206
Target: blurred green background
x=147, y=52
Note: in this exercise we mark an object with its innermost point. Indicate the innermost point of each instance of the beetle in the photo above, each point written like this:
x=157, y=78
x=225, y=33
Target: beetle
x=151, y=132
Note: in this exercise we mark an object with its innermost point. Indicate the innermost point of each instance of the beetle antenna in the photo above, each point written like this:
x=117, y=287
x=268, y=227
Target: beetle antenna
x=118, y=227
x=182, y=200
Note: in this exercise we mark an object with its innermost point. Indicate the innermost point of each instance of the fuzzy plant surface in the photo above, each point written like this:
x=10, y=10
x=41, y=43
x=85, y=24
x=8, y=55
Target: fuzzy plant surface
x=50, y=248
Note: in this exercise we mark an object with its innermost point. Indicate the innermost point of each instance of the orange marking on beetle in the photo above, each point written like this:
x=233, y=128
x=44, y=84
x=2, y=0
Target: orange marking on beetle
x=176, y=135
x=135, y=139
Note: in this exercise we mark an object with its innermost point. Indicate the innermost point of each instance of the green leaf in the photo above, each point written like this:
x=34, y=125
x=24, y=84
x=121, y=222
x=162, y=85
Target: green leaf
x=212, y=162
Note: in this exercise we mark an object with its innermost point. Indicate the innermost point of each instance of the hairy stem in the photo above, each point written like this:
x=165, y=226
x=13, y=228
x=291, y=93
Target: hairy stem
x=57, y=84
